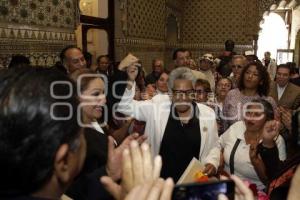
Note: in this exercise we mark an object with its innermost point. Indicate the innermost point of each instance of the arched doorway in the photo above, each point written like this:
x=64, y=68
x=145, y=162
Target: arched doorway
x=273, y=35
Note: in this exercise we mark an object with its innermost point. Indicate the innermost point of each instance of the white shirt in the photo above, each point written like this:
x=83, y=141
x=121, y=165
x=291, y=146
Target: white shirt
x=280, y=91
x=155, y=113
x=243, y=167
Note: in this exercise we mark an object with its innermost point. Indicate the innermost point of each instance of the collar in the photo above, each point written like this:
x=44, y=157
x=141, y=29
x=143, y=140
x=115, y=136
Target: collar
x=97, y=127
x=282, y=88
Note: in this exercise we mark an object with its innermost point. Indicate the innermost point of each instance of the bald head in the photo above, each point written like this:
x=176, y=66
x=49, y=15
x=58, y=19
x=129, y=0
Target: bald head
x=73, y=59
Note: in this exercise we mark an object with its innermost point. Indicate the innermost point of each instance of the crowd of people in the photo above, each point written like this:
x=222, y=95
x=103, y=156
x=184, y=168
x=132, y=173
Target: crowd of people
x=110, y=131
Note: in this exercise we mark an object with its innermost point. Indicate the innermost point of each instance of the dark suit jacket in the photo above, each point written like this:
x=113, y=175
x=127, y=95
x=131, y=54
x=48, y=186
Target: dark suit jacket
x=87, y=186
x=290, y=97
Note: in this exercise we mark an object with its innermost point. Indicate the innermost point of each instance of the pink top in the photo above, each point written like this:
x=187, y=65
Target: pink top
x=234, y=103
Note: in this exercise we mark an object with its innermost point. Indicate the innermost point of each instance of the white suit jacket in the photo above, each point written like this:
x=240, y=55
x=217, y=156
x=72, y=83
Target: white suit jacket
x=155, y=113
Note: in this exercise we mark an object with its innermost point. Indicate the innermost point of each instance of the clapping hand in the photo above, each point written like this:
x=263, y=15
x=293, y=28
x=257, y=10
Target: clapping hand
x=286, y=117
x=157, y=190
x=114, y=158
x=140, y=176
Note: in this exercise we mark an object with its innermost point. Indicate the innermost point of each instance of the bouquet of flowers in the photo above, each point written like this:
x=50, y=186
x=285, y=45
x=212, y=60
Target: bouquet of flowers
x=200, y=177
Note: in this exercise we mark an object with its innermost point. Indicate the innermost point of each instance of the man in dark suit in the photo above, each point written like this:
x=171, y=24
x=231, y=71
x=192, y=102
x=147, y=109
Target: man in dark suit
x=286, y=94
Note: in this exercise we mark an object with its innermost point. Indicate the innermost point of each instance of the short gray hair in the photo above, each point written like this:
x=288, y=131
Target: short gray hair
x=181, y=73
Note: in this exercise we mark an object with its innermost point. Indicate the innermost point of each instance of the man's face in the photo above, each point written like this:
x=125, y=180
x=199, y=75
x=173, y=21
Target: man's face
x=103, y=64
x=182, y=59
x=282, y=76
x=182, y=95
x=267, y=56
x=157, y=67
x=74, y=60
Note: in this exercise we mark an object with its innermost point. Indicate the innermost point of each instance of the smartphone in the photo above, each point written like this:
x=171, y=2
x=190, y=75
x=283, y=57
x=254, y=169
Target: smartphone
x=204, y=191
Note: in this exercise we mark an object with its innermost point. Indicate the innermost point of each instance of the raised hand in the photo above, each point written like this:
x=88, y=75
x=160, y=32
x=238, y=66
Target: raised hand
x=157, y=190
x=137, y=169
x=128, y=61
x=270, y=133
x=114, y=159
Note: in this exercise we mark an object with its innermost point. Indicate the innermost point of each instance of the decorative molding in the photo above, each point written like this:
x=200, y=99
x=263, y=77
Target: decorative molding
x=144, y=43
x=212, y=46
x=31, y=34
x=138, y=42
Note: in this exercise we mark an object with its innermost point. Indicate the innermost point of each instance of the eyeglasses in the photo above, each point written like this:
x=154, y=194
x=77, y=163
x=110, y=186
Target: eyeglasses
x=183, y=92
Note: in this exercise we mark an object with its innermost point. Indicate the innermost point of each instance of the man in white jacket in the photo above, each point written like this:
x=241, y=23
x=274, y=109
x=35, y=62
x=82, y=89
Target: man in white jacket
x=177, y=128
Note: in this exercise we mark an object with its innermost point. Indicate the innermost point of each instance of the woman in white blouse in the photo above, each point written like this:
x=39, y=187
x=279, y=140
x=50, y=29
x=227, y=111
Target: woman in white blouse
x=239, y=143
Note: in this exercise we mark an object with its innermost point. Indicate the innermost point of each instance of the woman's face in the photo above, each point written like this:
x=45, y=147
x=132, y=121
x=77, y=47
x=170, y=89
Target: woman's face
x=251, y=78
x=223, y=87
x=255, y=117
x=201, y=94
x=162, y=82
x=93, y=99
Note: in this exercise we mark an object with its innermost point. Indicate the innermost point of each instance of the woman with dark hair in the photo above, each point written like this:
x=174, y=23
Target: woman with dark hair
x=161, y=84
x=42, y=147
x=94, y=115
x=240, y=141
x=254, y=83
